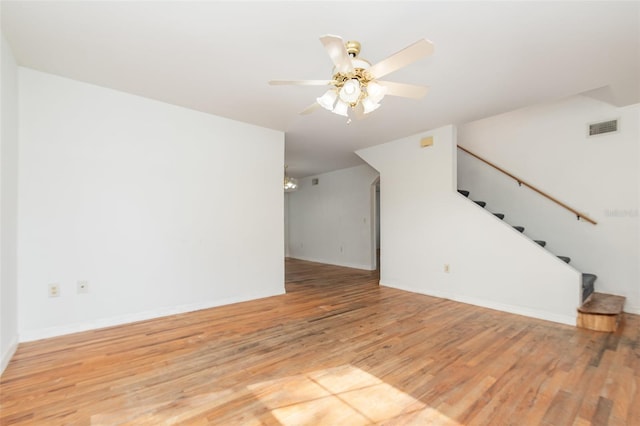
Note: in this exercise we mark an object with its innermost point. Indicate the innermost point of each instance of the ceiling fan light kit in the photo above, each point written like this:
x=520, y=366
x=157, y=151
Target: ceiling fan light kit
x=355, y=82
x=290, y=184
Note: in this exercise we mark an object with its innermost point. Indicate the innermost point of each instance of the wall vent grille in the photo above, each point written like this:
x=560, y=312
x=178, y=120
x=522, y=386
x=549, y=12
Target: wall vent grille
x=603, y=127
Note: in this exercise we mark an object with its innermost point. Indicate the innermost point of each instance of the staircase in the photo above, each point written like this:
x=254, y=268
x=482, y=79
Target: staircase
x=599, y=311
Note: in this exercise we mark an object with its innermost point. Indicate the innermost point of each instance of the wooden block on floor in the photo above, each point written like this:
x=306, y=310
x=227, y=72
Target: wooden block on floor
x=601, y=312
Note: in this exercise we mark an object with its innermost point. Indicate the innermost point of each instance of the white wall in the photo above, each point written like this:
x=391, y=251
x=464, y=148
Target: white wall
x=8, y=205
x=332, y=222
x=426, y=224
x=162, y=209
x=547, y=145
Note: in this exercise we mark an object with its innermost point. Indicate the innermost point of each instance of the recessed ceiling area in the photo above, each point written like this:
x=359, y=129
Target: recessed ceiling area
x=217, y=57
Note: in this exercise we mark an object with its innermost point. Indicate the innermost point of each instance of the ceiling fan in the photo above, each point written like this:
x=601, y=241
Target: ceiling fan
x=355, y=81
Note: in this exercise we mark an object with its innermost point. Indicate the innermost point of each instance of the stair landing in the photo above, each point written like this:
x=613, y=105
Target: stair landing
x=601, y=312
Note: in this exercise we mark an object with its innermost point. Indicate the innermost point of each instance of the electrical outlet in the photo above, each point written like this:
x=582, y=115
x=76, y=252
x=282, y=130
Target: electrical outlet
x=54, y=290
x=83, y=286
x=446, y=268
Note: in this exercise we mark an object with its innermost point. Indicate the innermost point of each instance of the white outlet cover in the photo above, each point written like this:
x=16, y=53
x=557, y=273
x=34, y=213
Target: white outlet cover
x=54, y=290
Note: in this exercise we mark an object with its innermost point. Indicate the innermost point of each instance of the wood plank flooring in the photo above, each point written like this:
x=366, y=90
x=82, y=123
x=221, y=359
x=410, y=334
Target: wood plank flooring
x=337, y=349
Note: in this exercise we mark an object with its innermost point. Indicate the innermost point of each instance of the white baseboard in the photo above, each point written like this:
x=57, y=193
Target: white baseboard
x=518, y=310
x=31, y=335
x=8, y=354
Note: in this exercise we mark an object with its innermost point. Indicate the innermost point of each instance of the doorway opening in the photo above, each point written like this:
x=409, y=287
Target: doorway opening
x=375, y=224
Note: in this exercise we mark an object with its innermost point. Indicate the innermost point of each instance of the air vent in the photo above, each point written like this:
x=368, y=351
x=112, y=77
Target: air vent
x=610, y=126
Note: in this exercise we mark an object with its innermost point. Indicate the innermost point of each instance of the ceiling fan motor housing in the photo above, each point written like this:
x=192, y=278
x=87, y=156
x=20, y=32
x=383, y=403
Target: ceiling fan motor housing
x=353, y=48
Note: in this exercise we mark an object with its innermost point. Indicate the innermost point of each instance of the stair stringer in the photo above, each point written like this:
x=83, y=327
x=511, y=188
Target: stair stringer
x=426, y=224
x=510, y=272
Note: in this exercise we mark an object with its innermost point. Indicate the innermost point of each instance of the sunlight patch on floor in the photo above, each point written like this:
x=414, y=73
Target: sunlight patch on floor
x=342, y=395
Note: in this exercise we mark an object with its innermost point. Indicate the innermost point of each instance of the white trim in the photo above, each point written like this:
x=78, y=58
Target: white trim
x=8, y=354
x=518, y=310
x=31, y=335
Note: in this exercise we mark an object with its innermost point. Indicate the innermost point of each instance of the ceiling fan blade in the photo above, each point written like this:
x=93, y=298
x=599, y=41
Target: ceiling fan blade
x=337, y=52
x=406, y=56
x=404, y=90
x=311, y=108
x=301, y=82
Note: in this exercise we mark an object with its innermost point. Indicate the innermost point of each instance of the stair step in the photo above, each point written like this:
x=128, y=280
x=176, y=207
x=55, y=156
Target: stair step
x=602, y=312
x=603, y=304
x=565, y=259
x=480, y=203
x=463, y=192
x=588, y=285
x=519, y=228
x=542, y=243
x=499, y=215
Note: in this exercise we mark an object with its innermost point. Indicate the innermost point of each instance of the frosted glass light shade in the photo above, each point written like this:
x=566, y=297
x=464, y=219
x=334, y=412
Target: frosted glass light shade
x=341, y=108
x=350, y=91
x=328, y=100
x=376, y=92
x=369, y=105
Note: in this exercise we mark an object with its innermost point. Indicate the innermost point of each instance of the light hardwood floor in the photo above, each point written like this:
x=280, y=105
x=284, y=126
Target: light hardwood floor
x=337, y=349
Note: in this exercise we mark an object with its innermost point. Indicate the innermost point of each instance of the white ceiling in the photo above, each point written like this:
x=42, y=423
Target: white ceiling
x=216, y=57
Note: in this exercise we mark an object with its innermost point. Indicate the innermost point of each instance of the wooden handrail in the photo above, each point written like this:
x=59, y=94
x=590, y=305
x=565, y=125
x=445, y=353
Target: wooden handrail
x=528, y=185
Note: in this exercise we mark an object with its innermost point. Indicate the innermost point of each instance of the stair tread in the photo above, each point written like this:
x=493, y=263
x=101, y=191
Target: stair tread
x=481, y=203
x=603, y=304
x=463, y=192
x=499, y=215
x=565, y=259
x=519, y=228
x=542, y=243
